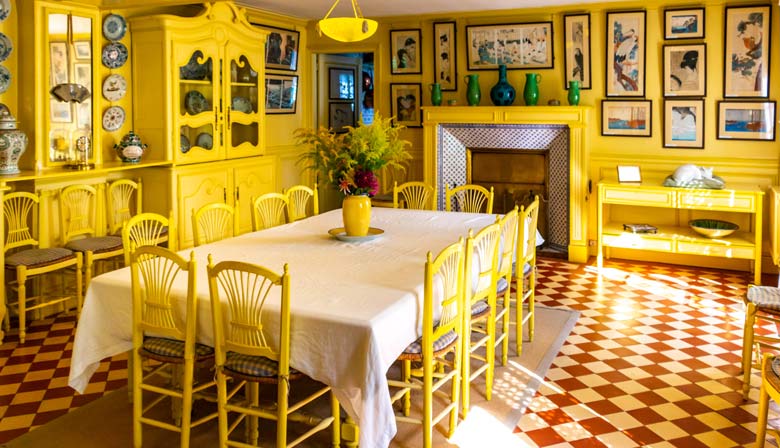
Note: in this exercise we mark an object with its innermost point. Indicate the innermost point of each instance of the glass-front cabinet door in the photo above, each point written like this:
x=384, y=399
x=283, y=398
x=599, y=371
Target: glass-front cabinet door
x=244, y=105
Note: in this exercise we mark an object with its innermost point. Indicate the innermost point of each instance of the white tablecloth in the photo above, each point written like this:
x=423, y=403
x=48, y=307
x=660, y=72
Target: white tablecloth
x=355, y=306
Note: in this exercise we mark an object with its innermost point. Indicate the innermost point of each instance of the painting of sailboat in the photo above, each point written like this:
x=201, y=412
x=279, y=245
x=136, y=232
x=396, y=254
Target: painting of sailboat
x=749, y=120
x=631, y=118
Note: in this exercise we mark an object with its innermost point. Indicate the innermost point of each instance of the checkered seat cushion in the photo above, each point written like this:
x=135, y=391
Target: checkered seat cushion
x=258, y=366
x=171, y=348
x=764, y=297
x=479, y=309
x=444, y=342
x=502, y=284
x=36, y=258
x=96, y=244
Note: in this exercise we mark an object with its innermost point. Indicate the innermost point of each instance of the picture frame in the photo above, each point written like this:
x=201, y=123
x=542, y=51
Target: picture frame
x=60, y=112
x=341, y=83
x=281, y=93
x=341, y=115
x=627, y=118
x=685, y=70
x=281, y=48
x=576, y=63
x=747, y=38
x=82, y=49
x=445, y=52
x=405, y=101
x=516, y=45
x=746, y=120
x=684, y=123
x=684, y=23
x=58, y=59
x=405, y=51
x=82, y=74
x=625, y=54
x=629, y=174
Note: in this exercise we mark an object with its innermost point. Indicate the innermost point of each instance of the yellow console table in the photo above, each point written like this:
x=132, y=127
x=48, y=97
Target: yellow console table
x=669, y=209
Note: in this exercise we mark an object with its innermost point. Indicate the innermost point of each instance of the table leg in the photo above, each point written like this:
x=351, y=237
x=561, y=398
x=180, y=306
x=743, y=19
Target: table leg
x=350, y=433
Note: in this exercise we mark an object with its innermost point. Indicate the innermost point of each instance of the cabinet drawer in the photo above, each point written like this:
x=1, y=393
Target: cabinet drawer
x=718, y=200
x=651, y=198
x=633, y=241
x=716, y=250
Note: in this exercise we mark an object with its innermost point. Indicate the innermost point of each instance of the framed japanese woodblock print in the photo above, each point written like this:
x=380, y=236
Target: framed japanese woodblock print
x=405, y=101
x=444, y=55
x=341, y=115
x=746, y=120
x=281, y=48
x=576, y=31
x=516, y=45
x=625, y=53
x=280, y=93
x=405, y=48
x=685, y=68
x=684, y=123
x=746, y=60
x=630, y=118
x=341, y=83
x=684, y=23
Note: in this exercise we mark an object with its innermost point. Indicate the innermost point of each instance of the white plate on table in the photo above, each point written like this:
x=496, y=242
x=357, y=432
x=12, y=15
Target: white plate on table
x=340, y=234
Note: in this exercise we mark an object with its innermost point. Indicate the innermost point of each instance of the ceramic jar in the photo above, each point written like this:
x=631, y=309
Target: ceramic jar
x=574, y=93
x=356, y=213
x=435, y=93
x=13, y=142
x=473, y=94
x=130, y=149
x=502, y=94
x=531, y=90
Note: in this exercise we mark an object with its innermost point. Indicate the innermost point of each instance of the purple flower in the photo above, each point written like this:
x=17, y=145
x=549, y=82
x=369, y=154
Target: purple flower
x=366, y=181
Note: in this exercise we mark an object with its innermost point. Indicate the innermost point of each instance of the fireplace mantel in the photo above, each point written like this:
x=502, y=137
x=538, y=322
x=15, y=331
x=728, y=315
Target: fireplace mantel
x=574, y=117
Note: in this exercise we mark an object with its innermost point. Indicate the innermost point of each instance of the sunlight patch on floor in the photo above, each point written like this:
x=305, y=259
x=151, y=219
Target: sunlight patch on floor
x=480, y=429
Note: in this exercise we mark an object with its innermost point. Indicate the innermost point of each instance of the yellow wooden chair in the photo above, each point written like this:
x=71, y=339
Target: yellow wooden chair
x=415, y=195
x=238, y=295
x=147, y=229
x=442, y=328
x=25, y=260
x=268, y=211
x=214, y=222
x=81, y=231
x=525, y=288
x=155, y=273
x=506, y=257
x=762, y=306
x=770, y=389
x=298, y=199
x=469, y=198
x=123, y=198
x=481, y=269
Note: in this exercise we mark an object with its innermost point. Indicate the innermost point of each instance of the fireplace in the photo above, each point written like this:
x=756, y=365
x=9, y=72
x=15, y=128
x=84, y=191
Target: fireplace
x=462, y=142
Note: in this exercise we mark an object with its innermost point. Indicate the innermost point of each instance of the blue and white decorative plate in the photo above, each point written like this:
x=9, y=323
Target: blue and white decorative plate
x=204, y=140
x=184, y=143
x=114, y=87
x=114, y=55
x=5, y=9
x=195, y=102
x=114, y=27
x=113, y=118
x=5, y=79
x=195, y=71
x=241, y=104
x=6, y=47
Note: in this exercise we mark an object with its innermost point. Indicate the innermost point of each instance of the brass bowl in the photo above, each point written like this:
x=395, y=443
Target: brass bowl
x=713, y=228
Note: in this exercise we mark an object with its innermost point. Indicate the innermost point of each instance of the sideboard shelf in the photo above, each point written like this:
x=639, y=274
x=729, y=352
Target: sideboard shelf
x=648, y=200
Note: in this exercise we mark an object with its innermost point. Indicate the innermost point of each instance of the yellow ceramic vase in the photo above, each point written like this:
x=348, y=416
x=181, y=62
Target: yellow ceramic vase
x=356, y=212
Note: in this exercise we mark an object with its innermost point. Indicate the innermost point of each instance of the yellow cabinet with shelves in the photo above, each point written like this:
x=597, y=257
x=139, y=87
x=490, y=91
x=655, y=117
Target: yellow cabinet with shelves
x=669, y=210
x=199, y=84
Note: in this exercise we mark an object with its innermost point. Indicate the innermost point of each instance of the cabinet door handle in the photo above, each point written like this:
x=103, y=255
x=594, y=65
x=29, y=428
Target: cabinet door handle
x=224, y=195
x=228, y=118
x=237, y=195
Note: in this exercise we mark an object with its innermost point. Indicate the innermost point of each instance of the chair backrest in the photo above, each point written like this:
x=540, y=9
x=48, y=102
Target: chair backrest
x=444, y=293
x=269, y=211
x=528, y=218
x=78, y=211
x=238, y=293
x=298, y=199
x=20, y=210
x=469, y=198
x=214, y=222
x=154, y=271
x=481, y=263
x=123, y=201
x=416, y=195
x=146, y=229
x=508, y=248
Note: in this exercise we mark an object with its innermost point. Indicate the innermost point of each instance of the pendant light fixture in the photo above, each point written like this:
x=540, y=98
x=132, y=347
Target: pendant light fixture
x=347, y=29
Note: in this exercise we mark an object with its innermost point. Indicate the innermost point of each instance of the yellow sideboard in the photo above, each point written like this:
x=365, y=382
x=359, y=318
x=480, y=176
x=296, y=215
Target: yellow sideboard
x=646, y=203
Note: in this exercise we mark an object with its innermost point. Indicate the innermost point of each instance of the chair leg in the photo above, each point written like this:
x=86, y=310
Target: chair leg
x=335, y=410
x=490, y=352
x=88, y=264
x=747, y=349
x=763, y=410
x=406, y=375
x=252, y=390
x=531, y=304
x=21, y=280
x=221, y=407
x=186, y=402
x=79, y=289
x=519, y=316
x=466, y=368
x=427, y=391
x=281, y=422
x=455, y=391
x=137, y=377
x=505, y=324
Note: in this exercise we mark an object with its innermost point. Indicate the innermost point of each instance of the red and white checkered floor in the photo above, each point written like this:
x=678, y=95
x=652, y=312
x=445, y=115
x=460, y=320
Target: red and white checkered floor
x=653, y=361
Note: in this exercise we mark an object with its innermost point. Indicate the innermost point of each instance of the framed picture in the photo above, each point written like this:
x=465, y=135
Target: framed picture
x=684, y=123
x=746, y=120
x=626, y=53
x=280, y=93
x=83, y=49
x=83, y=74
x=60, y=112
x=84, y=115
x=281, y=48
x=341, y=115
x=684, y=23
x=444, y=55
x=629, y=174
x=341, y=83
x=405, y=100
x=746, y=60
x=58, y=53
x=405, y=48
x=516, y=45
x=685, y=70
x=576, y=32
x=630, y=118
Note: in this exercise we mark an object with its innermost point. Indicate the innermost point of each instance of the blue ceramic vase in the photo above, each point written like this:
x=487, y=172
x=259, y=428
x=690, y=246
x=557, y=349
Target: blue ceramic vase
x=502, y=94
